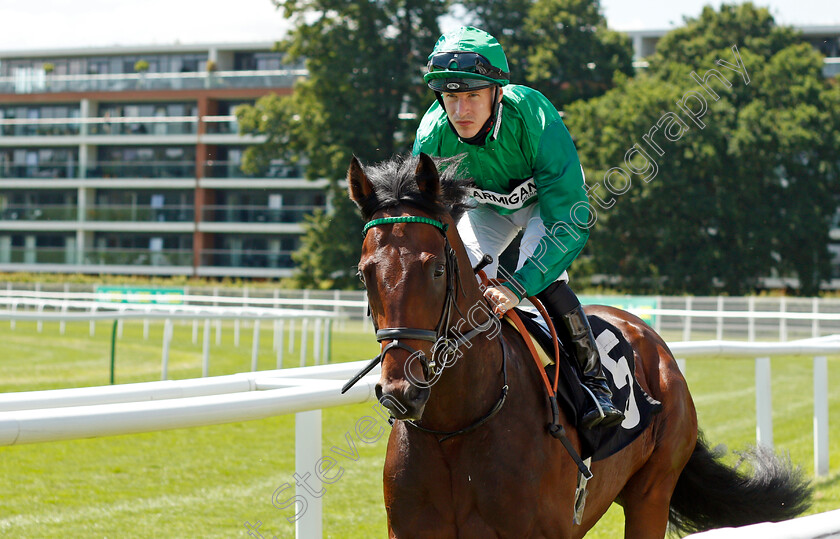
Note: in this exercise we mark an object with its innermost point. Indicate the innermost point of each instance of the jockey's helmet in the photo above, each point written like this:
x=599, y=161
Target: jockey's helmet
x=466, y=59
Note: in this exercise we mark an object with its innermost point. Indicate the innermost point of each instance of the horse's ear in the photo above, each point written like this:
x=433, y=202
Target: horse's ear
x=359, y=184
x=427, y=177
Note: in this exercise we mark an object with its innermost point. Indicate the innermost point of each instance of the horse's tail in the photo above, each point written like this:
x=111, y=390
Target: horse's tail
x=710, y=494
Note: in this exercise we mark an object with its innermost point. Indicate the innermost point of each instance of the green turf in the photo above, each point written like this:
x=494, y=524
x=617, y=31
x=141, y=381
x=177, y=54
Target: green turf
x=210, y=481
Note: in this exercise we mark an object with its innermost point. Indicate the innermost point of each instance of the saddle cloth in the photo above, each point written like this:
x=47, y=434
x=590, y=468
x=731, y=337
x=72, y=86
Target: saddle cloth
x=619, y=369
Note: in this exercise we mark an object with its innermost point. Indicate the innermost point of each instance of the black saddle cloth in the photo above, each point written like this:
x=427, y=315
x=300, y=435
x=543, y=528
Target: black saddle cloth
x=619, y=369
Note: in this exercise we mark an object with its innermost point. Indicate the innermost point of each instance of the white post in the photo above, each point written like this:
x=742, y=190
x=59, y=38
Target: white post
x=307, y=453
x=236, y=333
x=327, y=341
x=316, y=342
x=820, y=416
x=274, y=325
x=763, y=403
x=751, y=320
x=291, y=335
x=14, y=311
x=205, y=349
x=92, y=322
x=280, y=346
x=687, y=324
x=815, y=324
x=255, y=345
x=195, y=331
x=40, y=323
x=167, y=333
x=657, y=325
x=366, y=323
x=719, y=333
x=62, y=326
x=782, y=321
x=218, y=332
x=145, y=329
x=303, y=343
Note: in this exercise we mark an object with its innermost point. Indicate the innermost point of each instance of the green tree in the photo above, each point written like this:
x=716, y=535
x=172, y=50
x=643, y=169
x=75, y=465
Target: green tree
x=561, y=47
x=744, y=189
x=364, y=61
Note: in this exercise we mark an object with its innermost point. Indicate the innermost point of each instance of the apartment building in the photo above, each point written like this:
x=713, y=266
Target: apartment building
x=126, y=160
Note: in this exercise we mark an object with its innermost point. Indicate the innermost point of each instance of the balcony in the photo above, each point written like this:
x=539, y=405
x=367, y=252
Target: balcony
x=67, y=169
x=137, y=257
x=247, y=258
x=40, y=127
x=220, y=125
x=37, y=255
x=152, y=126
x=174, y=213
x=255, y=214
x=38, y=82
x=28, y=212
x=144, y=169
x=143, y=125
x=231, y=169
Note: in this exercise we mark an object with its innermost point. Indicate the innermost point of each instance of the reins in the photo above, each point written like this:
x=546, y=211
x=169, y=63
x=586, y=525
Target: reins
x=554, y=428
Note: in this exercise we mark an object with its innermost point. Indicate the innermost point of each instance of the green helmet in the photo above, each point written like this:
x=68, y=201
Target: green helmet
x=466, y=59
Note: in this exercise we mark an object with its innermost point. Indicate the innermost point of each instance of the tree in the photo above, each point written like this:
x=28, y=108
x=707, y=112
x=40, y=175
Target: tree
x=743, y=189
x=561, y=47
x=364, y=60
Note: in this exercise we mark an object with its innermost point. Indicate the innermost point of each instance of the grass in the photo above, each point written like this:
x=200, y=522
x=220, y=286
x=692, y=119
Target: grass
x=210, y=481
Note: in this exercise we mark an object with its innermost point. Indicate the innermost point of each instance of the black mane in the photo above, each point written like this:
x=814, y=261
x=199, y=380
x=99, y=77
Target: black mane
x=394, y=184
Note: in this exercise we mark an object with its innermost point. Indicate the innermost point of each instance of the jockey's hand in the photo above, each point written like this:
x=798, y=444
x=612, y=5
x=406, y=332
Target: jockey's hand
x=501, y=298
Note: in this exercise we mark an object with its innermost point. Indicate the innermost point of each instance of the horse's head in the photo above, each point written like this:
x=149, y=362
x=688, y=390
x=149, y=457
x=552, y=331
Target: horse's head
x=409, y=269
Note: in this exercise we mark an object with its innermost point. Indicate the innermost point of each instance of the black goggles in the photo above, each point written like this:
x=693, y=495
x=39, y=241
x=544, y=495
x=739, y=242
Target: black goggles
x=466, y=62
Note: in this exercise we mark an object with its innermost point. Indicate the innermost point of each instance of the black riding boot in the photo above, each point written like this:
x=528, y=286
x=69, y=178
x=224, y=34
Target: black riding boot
x=563, y=306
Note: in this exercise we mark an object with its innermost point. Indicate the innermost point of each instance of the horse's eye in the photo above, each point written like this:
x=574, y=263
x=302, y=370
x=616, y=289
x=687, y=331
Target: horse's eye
x=440, y=269
x=360, y=275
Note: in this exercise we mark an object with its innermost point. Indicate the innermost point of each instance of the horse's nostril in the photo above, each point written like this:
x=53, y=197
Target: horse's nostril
x=378, y=391
x=416, y=395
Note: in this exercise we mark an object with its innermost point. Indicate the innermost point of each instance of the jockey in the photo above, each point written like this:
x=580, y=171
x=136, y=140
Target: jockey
x=528, y=177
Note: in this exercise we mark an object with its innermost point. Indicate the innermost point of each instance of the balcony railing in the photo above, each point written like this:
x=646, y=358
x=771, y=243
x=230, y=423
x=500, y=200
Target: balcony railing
x=28, y=212
x=175, y=213
x=40, y=127
x=255, y=214
x=30, y=82
x=105, y=126
x=143, y=125
x=145, y=169
x=230, y=169
x=68, y=169
x=37, y=255
x=138, y=257
x=220, y=125
x=245, y=258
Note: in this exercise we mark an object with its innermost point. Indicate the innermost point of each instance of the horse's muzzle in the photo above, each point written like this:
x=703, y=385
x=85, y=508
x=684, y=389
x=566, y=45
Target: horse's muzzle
x=402, y=398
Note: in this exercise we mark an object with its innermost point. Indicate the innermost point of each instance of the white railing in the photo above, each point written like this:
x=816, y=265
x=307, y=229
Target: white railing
x=66, y=310
x=811, y=527
x=818, y=348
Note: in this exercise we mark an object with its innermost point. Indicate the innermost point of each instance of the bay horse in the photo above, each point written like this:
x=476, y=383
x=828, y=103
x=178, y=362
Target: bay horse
x=468, y=455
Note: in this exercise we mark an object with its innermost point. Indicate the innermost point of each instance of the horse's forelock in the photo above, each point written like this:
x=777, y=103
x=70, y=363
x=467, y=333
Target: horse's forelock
x=394, y=184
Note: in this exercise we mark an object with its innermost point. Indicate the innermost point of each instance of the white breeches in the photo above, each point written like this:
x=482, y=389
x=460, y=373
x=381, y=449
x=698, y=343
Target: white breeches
x=483, y=230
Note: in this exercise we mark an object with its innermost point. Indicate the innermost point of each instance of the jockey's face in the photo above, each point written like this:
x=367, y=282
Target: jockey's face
x=469, y=111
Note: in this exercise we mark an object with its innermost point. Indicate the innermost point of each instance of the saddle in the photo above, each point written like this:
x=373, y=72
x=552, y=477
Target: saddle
x=619, y=368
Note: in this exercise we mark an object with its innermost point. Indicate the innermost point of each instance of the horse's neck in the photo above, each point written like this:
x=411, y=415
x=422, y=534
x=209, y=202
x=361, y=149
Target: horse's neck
x=467, y=389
